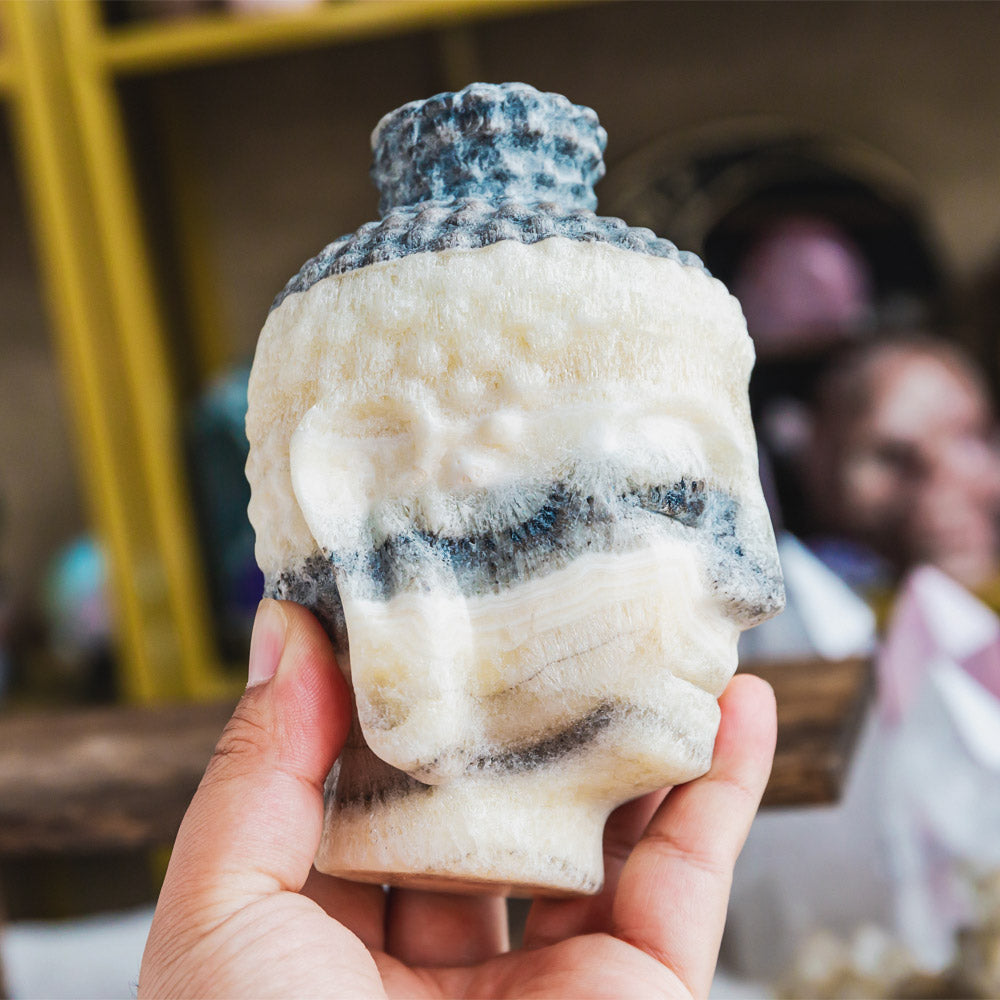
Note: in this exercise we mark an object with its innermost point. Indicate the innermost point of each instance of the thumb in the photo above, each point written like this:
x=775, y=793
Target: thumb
x=255, y=822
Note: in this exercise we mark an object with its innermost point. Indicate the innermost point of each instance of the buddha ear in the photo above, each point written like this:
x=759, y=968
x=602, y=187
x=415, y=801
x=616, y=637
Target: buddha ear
x=409, y=652
x=411, y=662
x=330, y=478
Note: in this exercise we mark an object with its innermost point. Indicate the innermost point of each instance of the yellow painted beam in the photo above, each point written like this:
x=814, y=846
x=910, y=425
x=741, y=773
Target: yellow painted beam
x=71, y=276
x=7, y=75
x=7, y=68
x=213, y=37
x=176, y=576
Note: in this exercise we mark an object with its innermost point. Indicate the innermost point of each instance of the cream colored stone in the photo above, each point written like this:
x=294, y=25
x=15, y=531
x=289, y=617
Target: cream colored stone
x=446, y=395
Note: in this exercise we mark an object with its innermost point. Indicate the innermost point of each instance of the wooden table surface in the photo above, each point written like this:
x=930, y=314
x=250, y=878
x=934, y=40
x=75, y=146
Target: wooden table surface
x=120, y=777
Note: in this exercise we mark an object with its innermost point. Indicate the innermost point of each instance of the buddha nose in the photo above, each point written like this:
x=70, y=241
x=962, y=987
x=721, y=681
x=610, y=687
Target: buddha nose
x=410, y=656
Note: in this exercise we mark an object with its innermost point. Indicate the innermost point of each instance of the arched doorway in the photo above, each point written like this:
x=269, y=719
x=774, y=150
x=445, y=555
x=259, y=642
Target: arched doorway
x=714, y=188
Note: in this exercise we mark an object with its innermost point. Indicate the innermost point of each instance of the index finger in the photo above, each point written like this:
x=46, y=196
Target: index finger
x=674, y=890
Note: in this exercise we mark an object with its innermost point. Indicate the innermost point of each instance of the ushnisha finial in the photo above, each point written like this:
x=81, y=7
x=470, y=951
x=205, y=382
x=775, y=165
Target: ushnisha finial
x=499, y=142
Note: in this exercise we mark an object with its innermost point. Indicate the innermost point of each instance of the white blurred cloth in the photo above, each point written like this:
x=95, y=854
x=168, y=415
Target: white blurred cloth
x=939, y=702
x=920, y=814
x=823, y=617
x=91, y=958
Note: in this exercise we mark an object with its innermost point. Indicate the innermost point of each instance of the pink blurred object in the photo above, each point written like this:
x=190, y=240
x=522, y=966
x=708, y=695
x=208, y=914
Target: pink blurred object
x=935, y=618
x=803, y=284
x=269, y=6
x=939, y=707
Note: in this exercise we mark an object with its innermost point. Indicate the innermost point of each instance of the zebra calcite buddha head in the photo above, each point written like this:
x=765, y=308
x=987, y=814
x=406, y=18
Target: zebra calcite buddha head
x=502, y=447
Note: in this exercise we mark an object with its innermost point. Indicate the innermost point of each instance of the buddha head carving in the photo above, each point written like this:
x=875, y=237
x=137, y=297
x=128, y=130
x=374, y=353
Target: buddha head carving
x=505, y=453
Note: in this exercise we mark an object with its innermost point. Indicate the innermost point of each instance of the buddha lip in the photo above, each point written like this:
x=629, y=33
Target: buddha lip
x=552, y=747
x=560, y=659
x=575, y=654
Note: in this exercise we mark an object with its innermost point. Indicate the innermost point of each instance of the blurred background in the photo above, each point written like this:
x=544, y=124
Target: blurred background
x=167, y=165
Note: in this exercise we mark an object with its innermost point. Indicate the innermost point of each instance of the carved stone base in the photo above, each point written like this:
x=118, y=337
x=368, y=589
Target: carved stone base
x=521, y=834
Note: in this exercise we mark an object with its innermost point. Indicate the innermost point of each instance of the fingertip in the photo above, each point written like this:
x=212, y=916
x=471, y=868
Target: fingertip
x=749, y=686
x=303, y=628
x=310, y=688
x=267, y=641
x=674, y=890
x=749, y=720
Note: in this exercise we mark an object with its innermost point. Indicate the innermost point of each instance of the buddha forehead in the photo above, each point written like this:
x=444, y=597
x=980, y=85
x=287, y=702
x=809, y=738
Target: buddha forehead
x=518, y=370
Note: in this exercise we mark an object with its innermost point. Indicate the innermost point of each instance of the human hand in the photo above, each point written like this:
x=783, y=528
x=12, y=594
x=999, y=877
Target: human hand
x=243, y=914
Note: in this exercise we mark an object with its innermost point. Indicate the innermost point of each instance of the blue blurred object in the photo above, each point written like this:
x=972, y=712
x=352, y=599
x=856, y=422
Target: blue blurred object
x=218, y=449
x=863, y=570
x=79, y=623
x=75, y=599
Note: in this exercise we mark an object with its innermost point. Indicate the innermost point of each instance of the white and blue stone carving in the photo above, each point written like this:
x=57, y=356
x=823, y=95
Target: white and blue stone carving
x=501, y=446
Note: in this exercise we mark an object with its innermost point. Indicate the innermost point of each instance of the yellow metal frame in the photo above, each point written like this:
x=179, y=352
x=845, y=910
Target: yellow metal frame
x=74, y=281
x=144, y=48
x=112, y=357
x=177, y=578
x=6, y=72
x=59, y=65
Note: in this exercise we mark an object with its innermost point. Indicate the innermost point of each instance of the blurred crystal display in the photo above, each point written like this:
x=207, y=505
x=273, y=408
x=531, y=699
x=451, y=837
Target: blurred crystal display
x=502, y=447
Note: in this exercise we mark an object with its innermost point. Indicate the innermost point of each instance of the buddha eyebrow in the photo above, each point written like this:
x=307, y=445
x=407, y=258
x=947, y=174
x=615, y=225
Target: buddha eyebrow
x=565, y=525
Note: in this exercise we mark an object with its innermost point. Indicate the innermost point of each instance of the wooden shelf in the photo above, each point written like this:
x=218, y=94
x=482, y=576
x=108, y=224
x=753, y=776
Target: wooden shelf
x=208, y=38
x=120, y=778
x=821, y=705
x=103, y=779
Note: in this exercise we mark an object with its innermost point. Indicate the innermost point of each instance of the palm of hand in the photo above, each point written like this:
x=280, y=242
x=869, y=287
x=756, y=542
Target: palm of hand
x=413, y=944
x=330, y=961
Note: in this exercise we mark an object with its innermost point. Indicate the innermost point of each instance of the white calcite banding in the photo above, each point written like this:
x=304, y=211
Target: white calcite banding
x=516, y=479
